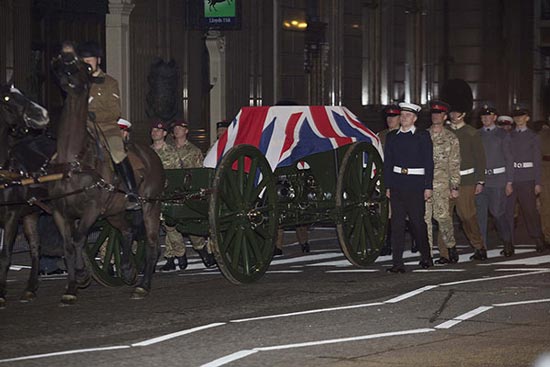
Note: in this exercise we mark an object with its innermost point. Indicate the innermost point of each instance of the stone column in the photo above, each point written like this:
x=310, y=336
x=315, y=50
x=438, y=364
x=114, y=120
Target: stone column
x=118, y=48
x=215, y=43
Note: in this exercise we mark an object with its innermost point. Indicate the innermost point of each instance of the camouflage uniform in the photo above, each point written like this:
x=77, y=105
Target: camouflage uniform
x=104, y=106
x=189, y=156
x=446, y=176
x=173, y=244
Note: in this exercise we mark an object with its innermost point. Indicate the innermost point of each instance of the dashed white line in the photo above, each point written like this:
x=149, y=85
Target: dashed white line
x=521, y=302
x=411, y=294
x=62, y=353
x=493, y=278
x=309, y=312
x=230, y=358
x=352, y=271
x=175, y=335
x=465, y=316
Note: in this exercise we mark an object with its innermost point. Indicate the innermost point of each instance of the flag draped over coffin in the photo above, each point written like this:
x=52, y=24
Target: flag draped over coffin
x=286, y=134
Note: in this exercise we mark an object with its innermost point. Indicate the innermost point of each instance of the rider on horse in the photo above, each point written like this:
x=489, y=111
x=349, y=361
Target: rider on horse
x=104, y=111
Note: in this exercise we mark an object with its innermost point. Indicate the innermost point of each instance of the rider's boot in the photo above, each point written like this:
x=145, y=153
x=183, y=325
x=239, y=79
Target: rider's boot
x=124, y=170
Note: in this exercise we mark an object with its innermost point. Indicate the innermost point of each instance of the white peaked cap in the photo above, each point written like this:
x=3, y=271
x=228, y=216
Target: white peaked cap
x=411, y=107
x=124, y=124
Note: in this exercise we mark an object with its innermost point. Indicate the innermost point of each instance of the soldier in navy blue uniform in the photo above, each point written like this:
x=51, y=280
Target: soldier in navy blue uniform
x=527, y=179
x=498, y=176
x=408, y=174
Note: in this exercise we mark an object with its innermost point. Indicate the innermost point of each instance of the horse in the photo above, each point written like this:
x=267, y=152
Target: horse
x=91, y=189
x=18, y=116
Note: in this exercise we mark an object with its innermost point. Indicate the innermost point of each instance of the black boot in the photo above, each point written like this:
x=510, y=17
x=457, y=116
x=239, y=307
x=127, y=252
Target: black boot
x=125, y=172
x=182, y=262
x=540, y=245
x=305, y=247
x=479, y=254
x=208, y=259
x=386, y=249
x=508, y=249
x=453, y=255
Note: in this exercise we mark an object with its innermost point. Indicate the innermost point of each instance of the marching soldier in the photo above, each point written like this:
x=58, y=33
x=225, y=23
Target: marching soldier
x=104, y=110
x=391, y=115
x=498, y=176
x=174, y=247
x=544, y=197
x=446, y=154
x=526, y=154
x=190, y=156
x=472, y=178
x=408, y=174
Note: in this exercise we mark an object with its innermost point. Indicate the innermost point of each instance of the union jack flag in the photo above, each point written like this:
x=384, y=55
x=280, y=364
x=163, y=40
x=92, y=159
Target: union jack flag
x=286, y=134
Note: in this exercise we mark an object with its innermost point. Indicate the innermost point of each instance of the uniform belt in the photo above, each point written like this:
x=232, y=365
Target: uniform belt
x=495, y=171
x=523, y=164
x=468, y=171
x=409, y=171
x=546, y=158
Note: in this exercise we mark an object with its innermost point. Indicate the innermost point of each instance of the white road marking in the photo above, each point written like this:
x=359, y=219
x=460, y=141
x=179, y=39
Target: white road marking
x=336, y=263
x=309, y=312
x=244, y=353
x=441, y=270
x=521, y=302
x=230, y=358
x=284, y=271
x=468, y=315
x=175, y=335
x=411, y=294
x=307, y=258
x=353, y=271
x=19, y=267
x=529, y=261
x=65, y=352
x=493, y=278
x=522, y=269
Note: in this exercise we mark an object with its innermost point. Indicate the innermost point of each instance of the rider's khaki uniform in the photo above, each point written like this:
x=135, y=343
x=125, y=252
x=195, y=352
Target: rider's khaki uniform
x=104, y=103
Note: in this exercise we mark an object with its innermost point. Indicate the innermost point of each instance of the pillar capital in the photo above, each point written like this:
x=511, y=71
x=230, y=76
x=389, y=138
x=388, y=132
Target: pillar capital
x=121, y=7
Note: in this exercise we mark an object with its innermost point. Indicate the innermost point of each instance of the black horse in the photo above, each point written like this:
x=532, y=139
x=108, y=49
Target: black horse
x=87, y=190
x=18, y=117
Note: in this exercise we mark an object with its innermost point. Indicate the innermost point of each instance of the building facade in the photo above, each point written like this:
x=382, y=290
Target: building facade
x=358, y=53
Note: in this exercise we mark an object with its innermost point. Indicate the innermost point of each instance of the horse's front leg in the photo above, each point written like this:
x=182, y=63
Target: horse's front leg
x=66, y=230
x=151, y=221
x=7, y=240
x=82, y=268
x=30, y=227
x=128, y=271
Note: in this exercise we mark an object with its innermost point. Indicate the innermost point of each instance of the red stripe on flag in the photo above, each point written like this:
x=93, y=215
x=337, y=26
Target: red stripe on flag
x=222, y=142
x=361, y=127
x=289, y=132
x=250, y=125
x=324, y=126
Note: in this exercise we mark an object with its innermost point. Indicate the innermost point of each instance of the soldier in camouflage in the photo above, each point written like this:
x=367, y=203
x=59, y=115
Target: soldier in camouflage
x=190, y=156
x=174, y=245
x=446, y=151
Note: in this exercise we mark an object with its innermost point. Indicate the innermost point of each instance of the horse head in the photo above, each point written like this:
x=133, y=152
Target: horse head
x=74, y=75
x=19, y=112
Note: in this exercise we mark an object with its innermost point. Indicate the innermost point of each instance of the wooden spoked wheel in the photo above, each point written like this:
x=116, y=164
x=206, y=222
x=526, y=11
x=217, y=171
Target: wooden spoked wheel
x=105, y=253
x=243, y=214
x=361, y=204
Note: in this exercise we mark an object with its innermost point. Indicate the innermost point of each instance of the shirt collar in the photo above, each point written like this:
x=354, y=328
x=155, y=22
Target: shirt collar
x=412, y=130
x=520, y=130
x=491, y=128
x=457, y=126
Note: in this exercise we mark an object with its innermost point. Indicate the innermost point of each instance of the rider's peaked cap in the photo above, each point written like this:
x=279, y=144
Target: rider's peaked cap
x=410, y=107
x=89, y=49
x=392, y=110
x=438, y=106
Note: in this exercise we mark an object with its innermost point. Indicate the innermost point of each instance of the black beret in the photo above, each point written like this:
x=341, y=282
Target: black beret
x=89, y=49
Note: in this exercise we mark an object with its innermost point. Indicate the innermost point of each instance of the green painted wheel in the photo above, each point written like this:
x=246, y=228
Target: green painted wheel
x=105, y=253
x=243, y=214
x=361, y=204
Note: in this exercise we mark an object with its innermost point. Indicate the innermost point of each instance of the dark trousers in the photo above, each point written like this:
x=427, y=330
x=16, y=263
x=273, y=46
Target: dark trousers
x=524, y=194
x=493, y=200
x=408, y=203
